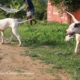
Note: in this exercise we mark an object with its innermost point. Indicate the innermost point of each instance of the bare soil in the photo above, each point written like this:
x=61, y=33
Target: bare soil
x=15, y=66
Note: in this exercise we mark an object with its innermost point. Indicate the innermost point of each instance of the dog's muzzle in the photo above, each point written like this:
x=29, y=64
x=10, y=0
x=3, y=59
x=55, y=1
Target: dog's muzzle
x=70, y=33
x=69, y=36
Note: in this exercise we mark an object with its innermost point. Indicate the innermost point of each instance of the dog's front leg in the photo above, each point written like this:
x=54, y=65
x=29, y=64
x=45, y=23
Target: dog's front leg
x=2, y=37
x=14, y=30
x=77, y=48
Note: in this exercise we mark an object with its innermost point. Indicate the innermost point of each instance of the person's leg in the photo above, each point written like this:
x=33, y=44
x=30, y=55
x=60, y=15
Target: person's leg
x=34, y=21
x=30, y=19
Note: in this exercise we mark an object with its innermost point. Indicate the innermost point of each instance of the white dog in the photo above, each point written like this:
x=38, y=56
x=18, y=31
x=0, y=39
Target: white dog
x=13, y=24
x=74, y=30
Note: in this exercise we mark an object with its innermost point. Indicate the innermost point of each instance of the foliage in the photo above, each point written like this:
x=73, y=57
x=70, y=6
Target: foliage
x=3, y=2
x=70, y=5
x=8, y=2
x=40, y=7
x=15, y=4
x=11, y=4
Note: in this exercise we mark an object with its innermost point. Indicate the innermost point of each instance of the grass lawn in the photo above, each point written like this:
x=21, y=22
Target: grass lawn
x=45, y=41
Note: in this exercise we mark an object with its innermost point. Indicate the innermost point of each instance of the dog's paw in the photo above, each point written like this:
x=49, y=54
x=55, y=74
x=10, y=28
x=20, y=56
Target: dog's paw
x=19, y=45
x=77, y=51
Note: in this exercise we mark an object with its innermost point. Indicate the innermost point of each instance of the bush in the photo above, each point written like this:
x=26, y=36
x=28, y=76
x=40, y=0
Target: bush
x=70, y=5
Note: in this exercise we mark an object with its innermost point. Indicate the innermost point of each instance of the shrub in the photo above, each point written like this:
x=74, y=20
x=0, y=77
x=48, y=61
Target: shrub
x=70, y=5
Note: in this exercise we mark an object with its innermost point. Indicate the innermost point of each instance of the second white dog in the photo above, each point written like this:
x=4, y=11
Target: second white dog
x=74, y=30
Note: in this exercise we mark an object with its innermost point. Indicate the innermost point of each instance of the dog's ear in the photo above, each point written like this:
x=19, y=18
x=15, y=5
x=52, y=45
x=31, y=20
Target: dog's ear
x=73, y=17
x=77, y=25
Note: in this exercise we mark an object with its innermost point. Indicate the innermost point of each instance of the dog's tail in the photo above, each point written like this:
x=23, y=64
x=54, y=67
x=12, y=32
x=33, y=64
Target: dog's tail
x=73, y=18
x=24, y=21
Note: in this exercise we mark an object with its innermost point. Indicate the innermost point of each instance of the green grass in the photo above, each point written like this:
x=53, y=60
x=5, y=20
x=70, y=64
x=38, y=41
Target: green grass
x=45, y=41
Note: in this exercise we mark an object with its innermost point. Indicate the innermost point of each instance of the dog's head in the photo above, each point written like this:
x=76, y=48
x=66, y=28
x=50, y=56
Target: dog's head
x=73, y=29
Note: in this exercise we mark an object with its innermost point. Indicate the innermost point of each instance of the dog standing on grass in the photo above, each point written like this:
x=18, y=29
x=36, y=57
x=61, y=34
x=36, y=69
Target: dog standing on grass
x=74, y=30
x=13, y=24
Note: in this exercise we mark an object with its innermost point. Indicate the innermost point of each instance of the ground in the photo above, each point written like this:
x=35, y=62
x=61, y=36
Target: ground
x=16, y=66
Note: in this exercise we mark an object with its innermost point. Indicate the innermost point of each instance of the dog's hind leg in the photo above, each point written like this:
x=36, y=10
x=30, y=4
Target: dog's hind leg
x=14, y=31
x=2, y=37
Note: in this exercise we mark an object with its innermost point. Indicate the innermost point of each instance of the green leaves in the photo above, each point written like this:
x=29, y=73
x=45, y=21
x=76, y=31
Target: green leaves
x=71, y=5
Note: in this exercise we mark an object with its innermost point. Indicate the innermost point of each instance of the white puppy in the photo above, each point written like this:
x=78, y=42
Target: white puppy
x=74, y=29
x=13, y=24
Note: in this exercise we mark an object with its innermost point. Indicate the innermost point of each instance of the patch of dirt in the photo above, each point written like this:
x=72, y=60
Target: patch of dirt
x=15, y=66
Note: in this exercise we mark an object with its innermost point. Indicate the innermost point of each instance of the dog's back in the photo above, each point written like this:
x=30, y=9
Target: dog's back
x=8, y=22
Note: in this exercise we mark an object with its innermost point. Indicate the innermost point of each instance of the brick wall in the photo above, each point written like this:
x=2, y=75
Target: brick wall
x=77, y=14
x=53, y=14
